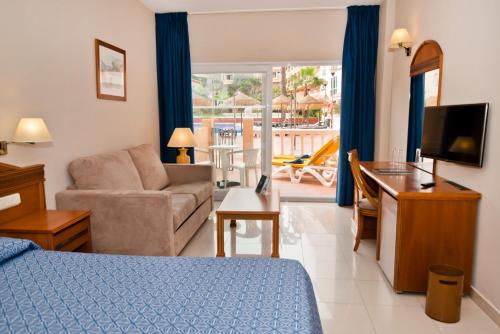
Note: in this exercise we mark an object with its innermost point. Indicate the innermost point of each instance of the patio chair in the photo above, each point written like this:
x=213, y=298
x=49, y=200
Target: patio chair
x=224, y=137
x=203, y=139
x=322, y=165
x=250, y=161
x=202, y=156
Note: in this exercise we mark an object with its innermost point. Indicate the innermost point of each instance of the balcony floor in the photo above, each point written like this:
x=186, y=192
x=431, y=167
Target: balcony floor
x=308, y=189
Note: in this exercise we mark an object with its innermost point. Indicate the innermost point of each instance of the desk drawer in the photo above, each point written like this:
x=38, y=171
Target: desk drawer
x=73, y=237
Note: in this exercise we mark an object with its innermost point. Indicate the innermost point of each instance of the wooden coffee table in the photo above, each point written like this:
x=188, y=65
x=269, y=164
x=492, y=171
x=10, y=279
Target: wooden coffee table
x=245, y=203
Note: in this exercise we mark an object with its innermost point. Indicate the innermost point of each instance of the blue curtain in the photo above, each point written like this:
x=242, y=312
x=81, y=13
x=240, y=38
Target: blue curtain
x=173, y=65
x=357, y=119
x=416, y=118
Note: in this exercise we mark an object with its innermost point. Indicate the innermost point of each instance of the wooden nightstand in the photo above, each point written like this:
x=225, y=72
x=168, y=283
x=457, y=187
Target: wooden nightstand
x=52, y=229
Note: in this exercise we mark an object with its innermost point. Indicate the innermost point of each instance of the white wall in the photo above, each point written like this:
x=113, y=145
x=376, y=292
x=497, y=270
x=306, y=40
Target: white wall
x=47, y=69
x=468, y=32
x=384, y=81
x=267, y=36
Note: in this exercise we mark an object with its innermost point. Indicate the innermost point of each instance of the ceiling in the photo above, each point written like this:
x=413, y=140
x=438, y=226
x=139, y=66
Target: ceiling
x=218, y=6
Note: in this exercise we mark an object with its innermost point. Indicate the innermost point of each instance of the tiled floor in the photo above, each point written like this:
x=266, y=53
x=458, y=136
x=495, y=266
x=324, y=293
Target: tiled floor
x=307, y=188
x=352, y=293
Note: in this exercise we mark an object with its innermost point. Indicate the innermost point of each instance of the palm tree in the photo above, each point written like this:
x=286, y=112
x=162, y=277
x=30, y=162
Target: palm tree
x=283, y=81
x=306, y=77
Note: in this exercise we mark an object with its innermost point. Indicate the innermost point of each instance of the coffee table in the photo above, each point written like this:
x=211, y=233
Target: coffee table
x=246, y=204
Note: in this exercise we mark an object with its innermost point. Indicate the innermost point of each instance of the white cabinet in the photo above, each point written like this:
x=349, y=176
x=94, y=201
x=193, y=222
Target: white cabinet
x=388, y=220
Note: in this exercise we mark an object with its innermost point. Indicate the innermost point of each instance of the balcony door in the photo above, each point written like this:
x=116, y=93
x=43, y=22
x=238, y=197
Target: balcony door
x=232, y=122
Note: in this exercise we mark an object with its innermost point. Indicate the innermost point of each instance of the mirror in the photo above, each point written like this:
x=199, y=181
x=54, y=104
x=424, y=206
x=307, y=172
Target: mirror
x=425, y=90
x=431, y=88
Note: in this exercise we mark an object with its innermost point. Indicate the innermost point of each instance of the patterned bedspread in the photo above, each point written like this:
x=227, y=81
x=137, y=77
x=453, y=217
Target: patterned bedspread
x=55, y=292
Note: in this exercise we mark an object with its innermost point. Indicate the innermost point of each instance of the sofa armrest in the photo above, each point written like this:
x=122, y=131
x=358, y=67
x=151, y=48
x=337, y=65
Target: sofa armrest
x=125, y=222
x=180, y=174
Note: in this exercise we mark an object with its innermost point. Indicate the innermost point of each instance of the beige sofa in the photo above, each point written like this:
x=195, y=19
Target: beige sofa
x=139, y=205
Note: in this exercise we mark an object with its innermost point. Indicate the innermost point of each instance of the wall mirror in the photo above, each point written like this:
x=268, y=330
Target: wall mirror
x=426, y=74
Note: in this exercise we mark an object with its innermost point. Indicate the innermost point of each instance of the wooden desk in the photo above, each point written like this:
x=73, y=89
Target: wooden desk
x=245, y=203
x=420, y=227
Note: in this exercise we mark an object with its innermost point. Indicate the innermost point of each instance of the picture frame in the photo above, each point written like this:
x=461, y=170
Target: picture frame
x=111, y=71
x=262, y=185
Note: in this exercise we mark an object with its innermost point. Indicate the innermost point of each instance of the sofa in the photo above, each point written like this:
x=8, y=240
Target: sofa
x=139, y=205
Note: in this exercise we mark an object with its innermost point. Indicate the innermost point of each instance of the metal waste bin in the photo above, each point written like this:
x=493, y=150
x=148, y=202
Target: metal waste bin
x=444, y=293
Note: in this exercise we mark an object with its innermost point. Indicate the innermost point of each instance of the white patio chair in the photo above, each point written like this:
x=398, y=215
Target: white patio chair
x=250, y=161
x=203, y=156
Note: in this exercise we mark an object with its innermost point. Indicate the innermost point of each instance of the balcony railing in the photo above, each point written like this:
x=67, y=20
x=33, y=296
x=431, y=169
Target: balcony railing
x=292, y=141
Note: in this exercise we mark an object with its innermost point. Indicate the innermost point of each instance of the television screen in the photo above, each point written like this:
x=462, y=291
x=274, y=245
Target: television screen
x=455, y=133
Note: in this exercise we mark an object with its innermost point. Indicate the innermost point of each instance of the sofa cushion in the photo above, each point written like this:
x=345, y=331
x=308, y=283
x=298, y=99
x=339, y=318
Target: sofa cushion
x=202, y=190
x=114, y=171
x=149, y=166
x=183, y=205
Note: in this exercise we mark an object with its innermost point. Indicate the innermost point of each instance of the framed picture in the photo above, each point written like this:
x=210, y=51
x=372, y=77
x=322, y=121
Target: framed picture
x=111, y=71
x=262, y=185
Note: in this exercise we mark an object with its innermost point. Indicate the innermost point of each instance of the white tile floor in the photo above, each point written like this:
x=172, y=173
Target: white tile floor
x=352, y=293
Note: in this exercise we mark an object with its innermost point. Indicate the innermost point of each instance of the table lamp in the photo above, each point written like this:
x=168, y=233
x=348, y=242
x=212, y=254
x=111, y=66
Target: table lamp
x=181, y=139
x=29, y=130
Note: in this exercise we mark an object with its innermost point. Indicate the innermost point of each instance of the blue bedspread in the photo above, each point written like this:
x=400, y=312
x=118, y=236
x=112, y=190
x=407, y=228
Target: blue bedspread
x=55, y=292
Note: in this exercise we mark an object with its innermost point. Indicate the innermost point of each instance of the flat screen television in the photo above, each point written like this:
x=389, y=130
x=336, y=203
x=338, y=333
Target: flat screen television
x=455, y=133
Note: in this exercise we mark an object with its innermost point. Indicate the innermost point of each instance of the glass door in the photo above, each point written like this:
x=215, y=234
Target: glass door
x=305, y=128
x=231, y=115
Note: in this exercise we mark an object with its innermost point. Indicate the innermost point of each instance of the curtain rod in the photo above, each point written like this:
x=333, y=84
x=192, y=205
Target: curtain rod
x=236, y=11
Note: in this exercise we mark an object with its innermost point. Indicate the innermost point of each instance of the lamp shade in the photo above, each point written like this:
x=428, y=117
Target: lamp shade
x=32, y=130
x=400, y=37
x=182, y=137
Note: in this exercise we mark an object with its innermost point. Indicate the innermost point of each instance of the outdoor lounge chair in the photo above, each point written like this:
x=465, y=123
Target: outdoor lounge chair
x=321, y=164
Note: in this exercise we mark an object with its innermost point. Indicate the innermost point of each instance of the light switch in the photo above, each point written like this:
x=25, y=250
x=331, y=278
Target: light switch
x=9, y=201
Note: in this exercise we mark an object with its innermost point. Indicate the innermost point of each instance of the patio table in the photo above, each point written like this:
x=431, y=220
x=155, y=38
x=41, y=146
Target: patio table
x=225, y=163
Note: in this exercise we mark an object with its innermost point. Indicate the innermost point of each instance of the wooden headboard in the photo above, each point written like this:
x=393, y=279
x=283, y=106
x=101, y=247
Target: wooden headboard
x=29, y=183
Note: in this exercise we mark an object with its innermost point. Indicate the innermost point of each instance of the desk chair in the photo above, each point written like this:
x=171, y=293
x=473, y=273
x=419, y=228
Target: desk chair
x=367, y=205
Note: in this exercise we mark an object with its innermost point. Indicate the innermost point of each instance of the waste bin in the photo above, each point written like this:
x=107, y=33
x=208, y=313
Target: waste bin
x=444, y=293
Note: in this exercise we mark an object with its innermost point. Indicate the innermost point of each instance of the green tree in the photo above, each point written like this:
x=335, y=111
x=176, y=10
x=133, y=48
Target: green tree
x=221, y=95
x=247, y=85
x=200, y=90
x=306, y=78
x=276, y=91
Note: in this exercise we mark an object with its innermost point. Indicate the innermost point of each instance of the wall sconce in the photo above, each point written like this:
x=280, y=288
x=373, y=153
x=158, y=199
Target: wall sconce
x=29, y=130
x=401, y=39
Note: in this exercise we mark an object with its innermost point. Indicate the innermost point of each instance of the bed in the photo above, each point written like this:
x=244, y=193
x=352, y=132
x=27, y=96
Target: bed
x=56, y=292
